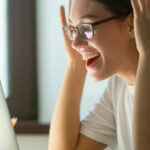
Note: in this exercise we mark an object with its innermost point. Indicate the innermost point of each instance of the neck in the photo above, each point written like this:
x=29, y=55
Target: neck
x=129, y=70
x=129, y=78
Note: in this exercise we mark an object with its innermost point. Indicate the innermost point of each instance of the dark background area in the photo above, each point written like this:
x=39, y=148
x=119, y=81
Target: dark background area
x=23, y=99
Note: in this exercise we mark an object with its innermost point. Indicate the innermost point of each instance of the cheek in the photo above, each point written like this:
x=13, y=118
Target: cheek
x=110, y=41
x=111, y=45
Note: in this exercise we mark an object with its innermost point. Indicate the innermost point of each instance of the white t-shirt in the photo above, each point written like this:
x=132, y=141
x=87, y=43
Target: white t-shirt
x=110, y=121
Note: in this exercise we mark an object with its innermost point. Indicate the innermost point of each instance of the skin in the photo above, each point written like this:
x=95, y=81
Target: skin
x=141, y=119
x=128, y=58
x=119, y=58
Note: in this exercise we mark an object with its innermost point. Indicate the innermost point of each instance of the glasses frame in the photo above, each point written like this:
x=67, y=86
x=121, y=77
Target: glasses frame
x=92, y=26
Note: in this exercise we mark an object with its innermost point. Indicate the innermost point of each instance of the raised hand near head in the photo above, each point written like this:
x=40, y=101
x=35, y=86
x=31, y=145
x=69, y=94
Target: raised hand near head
x=72, y=54
x=141, y=10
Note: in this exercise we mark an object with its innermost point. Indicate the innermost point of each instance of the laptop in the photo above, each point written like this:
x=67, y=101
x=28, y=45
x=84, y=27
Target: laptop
x=8, y=139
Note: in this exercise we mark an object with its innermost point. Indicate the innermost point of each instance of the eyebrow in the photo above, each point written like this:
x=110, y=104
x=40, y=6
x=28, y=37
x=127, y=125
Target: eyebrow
x=87, y=16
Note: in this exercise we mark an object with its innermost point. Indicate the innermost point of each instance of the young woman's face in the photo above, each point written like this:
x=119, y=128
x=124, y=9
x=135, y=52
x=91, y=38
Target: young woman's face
x=110, y=39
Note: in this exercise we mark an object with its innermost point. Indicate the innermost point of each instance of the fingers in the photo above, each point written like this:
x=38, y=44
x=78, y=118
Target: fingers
x=62, y=16
x=136, y=7
x=140, y=6
x=69, y=7
x=147, y=3
x=64, y=23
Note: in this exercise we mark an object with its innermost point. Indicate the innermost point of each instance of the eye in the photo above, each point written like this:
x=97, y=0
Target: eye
x=86, y=31
x=85, y=28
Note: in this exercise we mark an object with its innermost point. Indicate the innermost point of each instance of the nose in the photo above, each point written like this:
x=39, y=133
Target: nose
x=78, y=42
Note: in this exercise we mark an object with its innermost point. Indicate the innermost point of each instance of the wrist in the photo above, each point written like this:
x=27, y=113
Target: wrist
x=76, y=65
x=144, y=54
x=144, y=57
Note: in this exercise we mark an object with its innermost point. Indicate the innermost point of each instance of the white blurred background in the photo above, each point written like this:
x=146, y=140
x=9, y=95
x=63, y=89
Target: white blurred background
x=4, y=68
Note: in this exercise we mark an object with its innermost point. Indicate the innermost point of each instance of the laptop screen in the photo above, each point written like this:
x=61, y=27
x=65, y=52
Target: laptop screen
x=7, y=135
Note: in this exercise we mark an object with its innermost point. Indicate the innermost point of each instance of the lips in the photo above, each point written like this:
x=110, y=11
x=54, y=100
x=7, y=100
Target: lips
x=92, y=60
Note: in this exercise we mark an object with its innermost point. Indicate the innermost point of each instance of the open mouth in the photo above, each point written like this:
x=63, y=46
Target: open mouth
x=92, y=60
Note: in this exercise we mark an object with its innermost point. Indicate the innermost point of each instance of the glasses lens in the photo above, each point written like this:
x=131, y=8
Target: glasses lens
x=69, y=32
x=86, y=31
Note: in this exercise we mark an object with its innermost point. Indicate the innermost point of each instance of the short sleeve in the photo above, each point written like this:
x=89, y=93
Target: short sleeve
x=99, y=123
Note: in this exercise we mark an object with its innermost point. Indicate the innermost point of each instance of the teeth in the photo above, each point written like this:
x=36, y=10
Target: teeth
x=90, y=56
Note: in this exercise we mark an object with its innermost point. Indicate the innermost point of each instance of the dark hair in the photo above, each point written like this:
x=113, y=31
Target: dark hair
x=118, y=7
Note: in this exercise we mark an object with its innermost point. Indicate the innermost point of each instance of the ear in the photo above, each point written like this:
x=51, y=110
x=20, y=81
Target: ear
x=131, y=26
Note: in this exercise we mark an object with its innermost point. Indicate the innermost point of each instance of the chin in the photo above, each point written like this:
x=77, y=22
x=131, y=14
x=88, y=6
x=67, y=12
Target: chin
x=96, y=78
x=99, y=77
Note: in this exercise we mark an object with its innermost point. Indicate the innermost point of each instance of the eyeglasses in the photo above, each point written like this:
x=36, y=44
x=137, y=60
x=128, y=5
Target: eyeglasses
x=86, y=29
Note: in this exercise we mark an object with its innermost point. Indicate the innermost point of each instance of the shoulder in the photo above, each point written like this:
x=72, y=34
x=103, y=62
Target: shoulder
x=115, y=83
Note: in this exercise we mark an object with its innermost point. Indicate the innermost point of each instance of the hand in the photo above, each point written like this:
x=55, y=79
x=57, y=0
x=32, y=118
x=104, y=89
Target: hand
x=141, y=10
x=72, y=54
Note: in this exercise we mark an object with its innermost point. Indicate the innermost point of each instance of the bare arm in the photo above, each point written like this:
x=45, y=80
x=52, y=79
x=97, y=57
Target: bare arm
x=65, y=124
x=141, y=114
x=141, y=117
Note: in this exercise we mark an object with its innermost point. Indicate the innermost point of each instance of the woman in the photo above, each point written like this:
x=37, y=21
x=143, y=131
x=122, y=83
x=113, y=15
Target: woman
x=107, y=38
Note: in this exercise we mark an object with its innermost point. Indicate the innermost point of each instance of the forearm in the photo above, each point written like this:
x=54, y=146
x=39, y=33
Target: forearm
x=65, y=123
x=141, y=111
